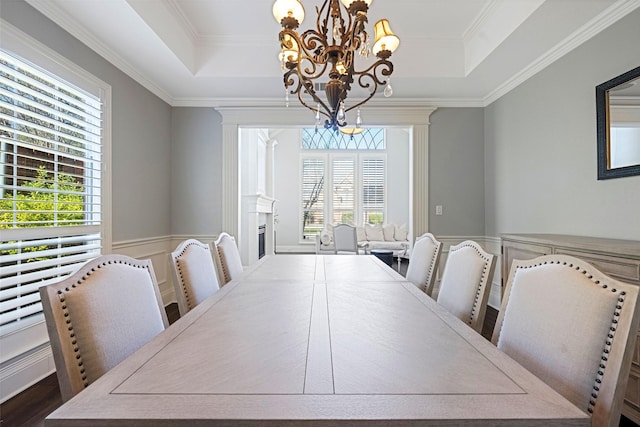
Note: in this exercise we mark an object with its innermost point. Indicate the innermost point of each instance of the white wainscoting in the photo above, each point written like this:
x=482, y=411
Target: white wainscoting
x=158, y=250
x=33, y=360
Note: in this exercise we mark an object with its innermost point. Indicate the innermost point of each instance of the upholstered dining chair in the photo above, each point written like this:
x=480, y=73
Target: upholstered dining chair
x=574, y=328
x=195, y=277
x=423, y=262
x=345, y=239
x=228, y=259
x=96, y=317
x=466, y=282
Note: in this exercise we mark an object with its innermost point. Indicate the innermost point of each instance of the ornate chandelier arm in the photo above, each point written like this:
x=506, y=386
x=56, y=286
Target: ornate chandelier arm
x=305, y=85
x=382, y=67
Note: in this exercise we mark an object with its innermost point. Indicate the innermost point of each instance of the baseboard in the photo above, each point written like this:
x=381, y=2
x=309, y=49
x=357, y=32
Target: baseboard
x=23, y=372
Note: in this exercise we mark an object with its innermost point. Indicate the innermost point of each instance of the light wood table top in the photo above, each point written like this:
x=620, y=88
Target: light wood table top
x=335, y=339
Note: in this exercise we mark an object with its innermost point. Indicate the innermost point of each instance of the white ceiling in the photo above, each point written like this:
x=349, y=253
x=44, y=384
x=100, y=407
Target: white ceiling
x=222, y=53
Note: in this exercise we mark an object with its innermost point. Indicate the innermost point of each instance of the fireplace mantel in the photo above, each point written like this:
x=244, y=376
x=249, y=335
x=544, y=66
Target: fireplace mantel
x=259, y=203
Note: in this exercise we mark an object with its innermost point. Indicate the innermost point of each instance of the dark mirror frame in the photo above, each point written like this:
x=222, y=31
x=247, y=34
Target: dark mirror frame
x=602, y=118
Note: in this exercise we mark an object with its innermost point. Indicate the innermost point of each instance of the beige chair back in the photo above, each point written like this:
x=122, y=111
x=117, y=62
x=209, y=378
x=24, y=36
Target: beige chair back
x=345, y=238
x=423, y=262
x=574, y=328
x=466, y=282
x=194, y=273
x=229, y=261
x=98, y=316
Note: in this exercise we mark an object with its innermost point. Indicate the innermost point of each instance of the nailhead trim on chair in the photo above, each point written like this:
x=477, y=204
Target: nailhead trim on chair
x=610, y=336
x=487, y=262
x=65, y=311
x=223, y=264
x=432, y=264
x=186, y=294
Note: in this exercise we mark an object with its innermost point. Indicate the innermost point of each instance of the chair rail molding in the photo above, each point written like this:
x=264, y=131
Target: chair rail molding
x=414, y=116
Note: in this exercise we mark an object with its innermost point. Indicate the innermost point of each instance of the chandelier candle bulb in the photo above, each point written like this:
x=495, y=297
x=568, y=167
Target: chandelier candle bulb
x=289, y=13
x=327, y=55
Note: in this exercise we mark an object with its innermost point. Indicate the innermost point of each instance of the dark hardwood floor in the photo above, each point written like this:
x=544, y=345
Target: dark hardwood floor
x=30, y=407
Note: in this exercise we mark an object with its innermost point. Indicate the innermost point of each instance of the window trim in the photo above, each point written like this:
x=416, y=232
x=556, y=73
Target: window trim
x=28, y=48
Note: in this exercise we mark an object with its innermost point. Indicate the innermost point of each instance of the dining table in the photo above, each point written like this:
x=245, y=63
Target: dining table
x=318, y=340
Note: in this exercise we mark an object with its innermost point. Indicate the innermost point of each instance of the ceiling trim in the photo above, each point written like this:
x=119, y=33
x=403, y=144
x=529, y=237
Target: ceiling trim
x=58, y=16
x=375, y=103
x=611, y=15
x=186, y=25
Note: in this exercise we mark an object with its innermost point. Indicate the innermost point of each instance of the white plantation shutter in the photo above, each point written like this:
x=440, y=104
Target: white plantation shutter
x=373, y=191
x=343, y=194
x=50, y=184
x=353, y=171
x=313, y=180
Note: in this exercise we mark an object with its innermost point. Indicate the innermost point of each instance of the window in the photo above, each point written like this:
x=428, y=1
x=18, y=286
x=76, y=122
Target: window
x=51, y=184
x=312, y=196
x=344, y=202
x=373, y=184
x=344, y=179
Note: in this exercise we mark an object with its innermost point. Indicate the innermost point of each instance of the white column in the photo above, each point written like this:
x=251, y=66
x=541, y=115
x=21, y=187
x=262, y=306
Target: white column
x=230, y=180
x=270, y=166
x=420, y=179
x=270, y=171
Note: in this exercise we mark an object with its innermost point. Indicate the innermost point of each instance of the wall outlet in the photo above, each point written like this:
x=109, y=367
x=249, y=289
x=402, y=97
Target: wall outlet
x=439, y=210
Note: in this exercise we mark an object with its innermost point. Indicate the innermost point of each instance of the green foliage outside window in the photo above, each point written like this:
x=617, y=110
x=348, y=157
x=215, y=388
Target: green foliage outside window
x=375, y=218
x=44, y=202
x=346, y=218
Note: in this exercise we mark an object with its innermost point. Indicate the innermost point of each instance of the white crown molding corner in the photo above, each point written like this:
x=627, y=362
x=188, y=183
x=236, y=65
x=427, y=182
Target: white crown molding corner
x=58, y=16
x=611, y=15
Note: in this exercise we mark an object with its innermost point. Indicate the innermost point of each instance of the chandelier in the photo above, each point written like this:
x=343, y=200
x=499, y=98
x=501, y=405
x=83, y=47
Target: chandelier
x=323, y=58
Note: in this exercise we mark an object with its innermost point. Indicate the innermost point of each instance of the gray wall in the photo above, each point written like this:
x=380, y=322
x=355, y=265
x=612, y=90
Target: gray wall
x=141, y=131
x=196, y=171
x=540, y=142
x=526, y=163
x=456, y=171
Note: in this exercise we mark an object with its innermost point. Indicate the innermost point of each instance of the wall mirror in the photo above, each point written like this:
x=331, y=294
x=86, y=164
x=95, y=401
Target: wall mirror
x=618, y=126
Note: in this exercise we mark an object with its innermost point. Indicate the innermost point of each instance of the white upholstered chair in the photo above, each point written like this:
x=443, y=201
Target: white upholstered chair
x=98, y=316
x=573, y=327
x=195, y=276
x=345, y=239
x=423, y=262
x=466, y=282
x=228, y=258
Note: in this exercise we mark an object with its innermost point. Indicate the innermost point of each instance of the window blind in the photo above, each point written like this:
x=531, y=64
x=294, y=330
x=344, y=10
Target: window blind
x=312, y=197
x=373, y=191
x=343, y=182
x=50, y=184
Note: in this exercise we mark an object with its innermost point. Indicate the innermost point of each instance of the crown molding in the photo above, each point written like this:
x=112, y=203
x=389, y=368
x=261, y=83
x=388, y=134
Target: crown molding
x=615, y=12
x=58, y=16
x=611, y=15
x=377, y=103
x=280, y=116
